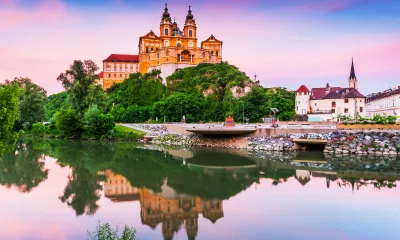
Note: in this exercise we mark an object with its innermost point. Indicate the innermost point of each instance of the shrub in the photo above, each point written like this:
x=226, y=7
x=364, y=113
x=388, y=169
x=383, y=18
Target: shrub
x=39, y=129
x=136, y=114
x=68, y=124
x=105, y=232
x=96, y=124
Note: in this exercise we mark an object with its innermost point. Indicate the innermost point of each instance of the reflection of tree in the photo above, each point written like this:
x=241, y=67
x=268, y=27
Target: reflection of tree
x=23, y=168
x=82, y=191
x=358, y=183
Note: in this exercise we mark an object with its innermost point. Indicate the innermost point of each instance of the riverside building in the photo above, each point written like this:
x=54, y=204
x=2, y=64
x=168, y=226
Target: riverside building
x=167, y=51
x=328, y=103
x=384, y=104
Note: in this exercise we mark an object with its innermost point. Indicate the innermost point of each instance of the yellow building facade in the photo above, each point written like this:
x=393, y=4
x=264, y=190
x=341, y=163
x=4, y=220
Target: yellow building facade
x=173, y=210
x=168, y=51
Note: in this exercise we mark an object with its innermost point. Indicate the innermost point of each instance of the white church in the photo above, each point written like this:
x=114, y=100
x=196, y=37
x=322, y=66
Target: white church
x=326, y=103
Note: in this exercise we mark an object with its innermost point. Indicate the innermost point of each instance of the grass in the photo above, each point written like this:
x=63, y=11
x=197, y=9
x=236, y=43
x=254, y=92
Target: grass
x=125, y=133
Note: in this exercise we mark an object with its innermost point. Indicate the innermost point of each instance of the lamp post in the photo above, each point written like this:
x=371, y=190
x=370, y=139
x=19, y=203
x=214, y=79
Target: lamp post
x=136, y=113
x=181, y=113
x=243, y=112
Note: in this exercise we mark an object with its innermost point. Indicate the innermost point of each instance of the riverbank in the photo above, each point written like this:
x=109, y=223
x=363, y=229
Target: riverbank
x=119, y=133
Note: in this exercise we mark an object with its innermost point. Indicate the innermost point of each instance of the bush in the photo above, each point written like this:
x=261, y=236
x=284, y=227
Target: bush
x=39, y=129
x=96, y=124
x=105, y=232
x=136, y=114
x=68, y=124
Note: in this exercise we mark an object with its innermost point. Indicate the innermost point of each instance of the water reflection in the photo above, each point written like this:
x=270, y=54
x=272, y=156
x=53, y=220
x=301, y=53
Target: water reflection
x=181, y=189
x=169, y=208
x=23, y=168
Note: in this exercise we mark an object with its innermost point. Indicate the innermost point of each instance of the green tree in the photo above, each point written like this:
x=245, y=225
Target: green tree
x=284, y=101
x=172, y=107
x=54, y=103
x=68, y=123
x=80, y=83
x=96, y=124
x=9, y=114
x=31, y=102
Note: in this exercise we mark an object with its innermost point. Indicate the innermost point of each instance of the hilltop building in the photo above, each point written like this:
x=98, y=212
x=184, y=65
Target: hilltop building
x=384, y=104
x=170, y=50
x=327, y=103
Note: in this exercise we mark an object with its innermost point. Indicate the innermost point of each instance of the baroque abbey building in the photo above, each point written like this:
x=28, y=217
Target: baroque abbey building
x=168, y=51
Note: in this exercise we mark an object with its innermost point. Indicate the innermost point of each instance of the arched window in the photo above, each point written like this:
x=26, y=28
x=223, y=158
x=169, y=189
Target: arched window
x=166, y=44
x=166, y=31
x=178, y=45
x=190, y=33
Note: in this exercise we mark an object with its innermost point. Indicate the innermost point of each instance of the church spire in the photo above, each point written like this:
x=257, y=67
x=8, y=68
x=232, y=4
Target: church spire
x=352, y=72
x=352, y=77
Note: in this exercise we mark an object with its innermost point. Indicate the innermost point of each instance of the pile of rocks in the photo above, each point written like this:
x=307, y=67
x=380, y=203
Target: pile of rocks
x=173, y=139
x=280, y=144
x=155, y=129
x=361, y=143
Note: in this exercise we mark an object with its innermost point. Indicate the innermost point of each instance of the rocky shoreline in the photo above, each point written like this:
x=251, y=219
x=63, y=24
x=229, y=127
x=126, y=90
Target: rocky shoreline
x=338, y=143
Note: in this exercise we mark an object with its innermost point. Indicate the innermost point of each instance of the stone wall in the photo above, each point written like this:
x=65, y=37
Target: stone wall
x=338, y=143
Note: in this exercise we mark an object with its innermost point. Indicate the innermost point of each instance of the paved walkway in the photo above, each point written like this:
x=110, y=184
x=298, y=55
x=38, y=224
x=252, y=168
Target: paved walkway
x=139, y=129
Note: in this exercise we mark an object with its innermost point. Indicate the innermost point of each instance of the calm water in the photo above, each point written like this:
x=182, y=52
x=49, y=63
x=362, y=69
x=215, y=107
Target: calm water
x=59, y=189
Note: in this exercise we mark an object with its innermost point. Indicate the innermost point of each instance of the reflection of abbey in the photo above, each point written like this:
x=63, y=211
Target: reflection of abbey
x=167, y=207
x=168, y=51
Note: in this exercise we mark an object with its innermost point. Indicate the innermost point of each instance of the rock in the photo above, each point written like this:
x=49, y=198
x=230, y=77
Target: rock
x=367, y=166
x=392, y=153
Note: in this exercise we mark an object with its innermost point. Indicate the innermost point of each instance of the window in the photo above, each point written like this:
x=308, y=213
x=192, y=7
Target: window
x=333, y=110
x=152, y=49
x=212, y=52
x=166, y=44
x=156, y=49
x=315, y=104
x=158, y=55
x=361, y=109
x=346, y=100
x=120, y=75
x=333, y=104
x=147, y=49
x=216, y=52
x=178, y=45
x=190, y=33
x=115, y=75
x=166, y=31
x=346, y=110
x=190, y=44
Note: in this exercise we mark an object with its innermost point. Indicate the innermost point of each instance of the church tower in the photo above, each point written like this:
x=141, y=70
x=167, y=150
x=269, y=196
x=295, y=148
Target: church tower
x=190, y=30
x=352, y=78
x=166, y=23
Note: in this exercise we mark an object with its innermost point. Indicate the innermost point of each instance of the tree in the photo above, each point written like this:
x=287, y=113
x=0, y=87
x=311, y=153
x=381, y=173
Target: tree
x=68, y=123
x=172, y=107
x=54, y=103
x=79, y=82
x=31, y=101
x=9, y=113
x=96, y=124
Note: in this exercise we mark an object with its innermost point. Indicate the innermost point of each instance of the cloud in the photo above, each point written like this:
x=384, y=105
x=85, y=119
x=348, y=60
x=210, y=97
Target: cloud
x=13, y=14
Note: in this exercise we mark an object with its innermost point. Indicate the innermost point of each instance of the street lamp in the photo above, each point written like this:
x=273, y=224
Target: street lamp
x=243, y=112
x=181, y=113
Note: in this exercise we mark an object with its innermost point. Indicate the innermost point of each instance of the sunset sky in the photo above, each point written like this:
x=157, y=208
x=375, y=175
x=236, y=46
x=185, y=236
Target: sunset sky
x=286, y=43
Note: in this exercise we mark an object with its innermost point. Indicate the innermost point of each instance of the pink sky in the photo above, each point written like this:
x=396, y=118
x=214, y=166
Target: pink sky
x=285, y=45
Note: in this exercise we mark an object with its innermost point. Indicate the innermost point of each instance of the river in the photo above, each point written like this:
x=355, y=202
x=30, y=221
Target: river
x=56, y=189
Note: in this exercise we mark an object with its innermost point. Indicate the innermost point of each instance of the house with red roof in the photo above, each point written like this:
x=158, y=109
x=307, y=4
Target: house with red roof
x=329, y=103
x=117, y=68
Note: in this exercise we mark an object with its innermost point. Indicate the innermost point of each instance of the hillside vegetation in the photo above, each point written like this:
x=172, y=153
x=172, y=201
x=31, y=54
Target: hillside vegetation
x=204, y=93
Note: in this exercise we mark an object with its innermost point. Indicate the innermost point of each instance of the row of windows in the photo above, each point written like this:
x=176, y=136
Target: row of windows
x=115, y=75
x=166, y=32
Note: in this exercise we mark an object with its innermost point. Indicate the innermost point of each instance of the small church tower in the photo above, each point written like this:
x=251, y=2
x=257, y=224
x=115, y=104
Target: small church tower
x=352, y=78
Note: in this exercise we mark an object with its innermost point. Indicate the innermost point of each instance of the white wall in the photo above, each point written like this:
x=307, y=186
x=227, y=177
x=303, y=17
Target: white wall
x=351, y=105
x=302, y=103
x=388, y=106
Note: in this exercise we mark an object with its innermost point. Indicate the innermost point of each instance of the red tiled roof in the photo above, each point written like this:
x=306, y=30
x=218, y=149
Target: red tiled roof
x=317, y=93
x=122, y=58
x=101, y=74
x=303, y=88
x=335, y=92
